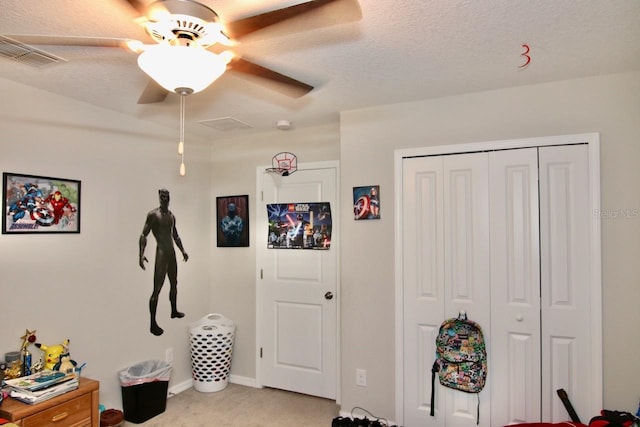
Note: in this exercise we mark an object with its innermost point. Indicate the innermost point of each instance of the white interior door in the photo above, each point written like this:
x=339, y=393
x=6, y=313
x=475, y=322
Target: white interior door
x=446, y=270
x=515, y=286
x=423, y=276
x=297, y=291
x=466, y=280
x=567, y=355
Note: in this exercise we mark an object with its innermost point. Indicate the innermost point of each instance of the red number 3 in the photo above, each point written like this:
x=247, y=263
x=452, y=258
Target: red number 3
x=526, y=55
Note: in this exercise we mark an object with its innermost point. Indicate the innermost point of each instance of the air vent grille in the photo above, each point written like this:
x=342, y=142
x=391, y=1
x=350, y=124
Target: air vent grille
x=12, y=49
x=225, y=124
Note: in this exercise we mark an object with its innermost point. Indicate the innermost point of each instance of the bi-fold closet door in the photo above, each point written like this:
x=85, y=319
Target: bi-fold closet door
x=445, y=270
x=501, y=235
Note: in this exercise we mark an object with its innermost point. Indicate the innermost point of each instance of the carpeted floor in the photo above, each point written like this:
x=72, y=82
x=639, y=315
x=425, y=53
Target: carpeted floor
x=241, y=406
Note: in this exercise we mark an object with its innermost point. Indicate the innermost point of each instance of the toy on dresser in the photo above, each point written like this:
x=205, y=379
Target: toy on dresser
x=65, y=364
x=25, y=356
x=57, y=356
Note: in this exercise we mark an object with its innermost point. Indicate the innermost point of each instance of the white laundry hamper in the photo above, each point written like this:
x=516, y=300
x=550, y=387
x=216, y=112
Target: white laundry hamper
x=211, y=339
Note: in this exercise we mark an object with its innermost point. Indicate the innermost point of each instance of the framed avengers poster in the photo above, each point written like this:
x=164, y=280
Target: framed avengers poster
x=366, y=202
x=39, y=204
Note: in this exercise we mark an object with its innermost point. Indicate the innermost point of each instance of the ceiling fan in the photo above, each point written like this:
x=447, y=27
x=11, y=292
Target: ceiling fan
x=193, y=47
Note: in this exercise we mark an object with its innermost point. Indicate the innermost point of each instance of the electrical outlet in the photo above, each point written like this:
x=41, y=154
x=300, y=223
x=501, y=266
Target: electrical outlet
x=168, y=355
x=361, y=377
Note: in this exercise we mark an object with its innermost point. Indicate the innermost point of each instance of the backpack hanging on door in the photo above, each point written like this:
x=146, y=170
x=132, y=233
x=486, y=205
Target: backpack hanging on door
x=461, y=357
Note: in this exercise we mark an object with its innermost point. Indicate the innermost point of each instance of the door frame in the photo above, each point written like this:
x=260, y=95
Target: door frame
x=259, y=240
x=593, y=142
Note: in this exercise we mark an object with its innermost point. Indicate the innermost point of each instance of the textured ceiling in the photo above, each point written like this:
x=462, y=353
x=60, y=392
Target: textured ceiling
x=401, y=50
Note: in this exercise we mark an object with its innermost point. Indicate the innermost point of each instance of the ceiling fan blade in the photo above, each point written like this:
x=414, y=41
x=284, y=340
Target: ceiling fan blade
x=152, y=93
x=333, y=11
x=46, y=40
x=287, y=85
x=139, y=6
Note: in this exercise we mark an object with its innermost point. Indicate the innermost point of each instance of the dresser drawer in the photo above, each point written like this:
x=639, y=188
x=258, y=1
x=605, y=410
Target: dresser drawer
x=74, y=413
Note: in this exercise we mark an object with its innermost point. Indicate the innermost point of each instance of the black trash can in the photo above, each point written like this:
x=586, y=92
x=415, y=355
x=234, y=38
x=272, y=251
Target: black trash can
x=144, y=390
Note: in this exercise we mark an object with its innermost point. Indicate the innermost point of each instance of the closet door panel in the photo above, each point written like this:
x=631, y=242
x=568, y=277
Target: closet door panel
x=515, y=286
x=466, y=268
x=565, y=278
x=466, y=235
x=423, y=291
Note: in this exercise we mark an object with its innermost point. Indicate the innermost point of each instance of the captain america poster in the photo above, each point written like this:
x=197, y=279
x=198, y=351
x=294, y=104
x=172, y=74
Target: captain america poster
x=299, y=226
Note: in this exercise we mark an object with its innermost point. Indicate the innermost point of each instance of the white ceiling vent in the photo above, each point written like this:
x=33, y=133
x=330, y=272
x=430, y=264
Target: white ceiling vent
x=26, y=54
x=225, y=124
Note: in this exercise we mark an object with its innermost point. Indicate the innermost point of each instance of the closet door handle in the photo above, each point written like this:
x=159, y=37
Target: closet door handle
x=328, y=295
x=519, y=317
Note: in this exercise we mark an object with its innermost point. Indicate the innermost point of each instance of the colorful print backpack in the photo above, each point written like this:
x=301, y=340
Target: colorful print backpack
x=461, y=356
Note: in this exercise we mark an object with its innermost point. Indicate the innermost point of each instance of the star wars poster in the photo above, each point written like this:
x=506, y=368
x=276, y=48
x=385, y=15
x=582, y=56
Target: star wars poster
x=299, y=226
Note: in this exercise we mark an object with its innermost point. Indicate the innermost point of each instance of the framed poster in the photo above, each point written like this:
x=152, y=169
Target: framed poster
x=366, y=202
x=40, y=204
x=233, y=221
x=299, y=225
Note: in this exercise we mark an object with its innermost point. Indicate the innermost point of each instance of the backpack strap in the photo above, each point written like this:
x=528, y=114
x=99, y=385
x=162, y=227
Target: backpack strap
x=434, y=369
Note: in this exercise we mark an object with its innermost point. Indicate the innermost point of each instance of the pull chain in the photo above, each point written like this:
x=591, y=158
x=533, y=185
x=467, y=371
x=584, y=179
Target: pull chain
x=183, y=97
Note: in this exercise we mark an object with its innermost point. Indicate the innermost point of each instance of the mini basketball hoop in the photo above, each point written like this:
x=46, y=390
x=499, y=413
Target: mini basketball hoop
x=283, y=164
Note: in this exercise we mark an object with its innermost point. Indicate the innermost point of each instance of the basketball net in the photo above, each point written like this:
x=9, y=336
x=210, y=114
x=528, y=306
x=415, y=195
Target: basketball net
x=282, y=164
x=276, y=175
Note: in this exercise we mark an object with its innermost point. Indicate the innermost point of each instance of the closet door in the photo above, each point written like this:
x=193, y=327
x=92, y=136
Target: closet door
x=467, y=274
x=505, y=236
x=446, y=269
x=423, y=277
x=515, y=286
x=565, y=280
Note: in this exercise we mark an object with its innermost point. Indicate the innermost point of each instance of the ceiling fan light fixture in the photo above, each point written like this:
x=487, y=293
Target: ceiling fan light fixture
x=176, y=67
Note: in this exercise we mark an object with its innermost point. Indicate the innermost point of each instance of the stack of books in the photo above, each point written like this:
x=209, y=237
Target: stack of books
x=42, y=385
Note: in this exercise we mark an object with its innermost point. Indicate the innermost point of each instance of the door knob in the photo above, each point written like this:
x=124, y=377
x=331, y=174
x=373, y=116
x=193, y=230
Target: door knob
x=328, y=295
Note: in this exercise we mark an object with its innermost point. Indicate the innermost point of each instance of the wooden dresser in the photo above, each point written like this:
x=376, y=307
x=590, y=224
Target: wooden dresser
x=77, y=408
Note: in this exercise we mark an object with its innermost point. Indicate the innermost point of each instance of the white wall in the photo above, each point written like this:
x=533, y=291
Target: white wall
x=88, y=287
x=609, y=105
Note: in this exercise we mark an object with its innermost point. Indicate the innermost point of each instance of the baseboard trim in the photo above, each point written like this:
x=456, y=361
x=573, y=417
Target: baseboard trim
x=246, y=381
x=235, y=379
x=344, y=414
x=179, y=388
x=360, y=414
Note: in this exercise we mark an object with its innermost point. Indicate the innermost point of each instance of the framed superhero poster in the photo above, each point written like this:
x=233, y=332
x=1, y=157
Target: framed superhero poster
x=366, y=202
x=233, y=221
x=40, y=204
x=299, y=226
